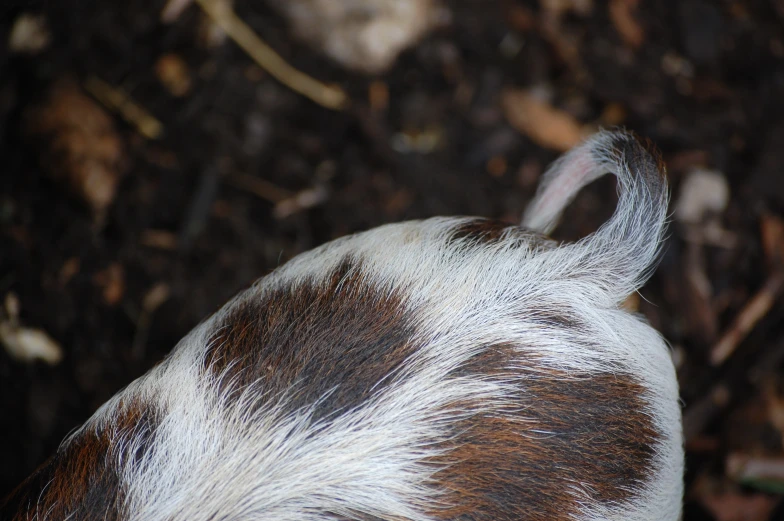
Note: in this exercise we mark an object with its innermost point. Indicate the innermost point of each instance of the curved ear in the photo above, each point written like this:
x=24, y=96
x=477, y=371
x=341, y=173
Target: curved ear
x=627, y=245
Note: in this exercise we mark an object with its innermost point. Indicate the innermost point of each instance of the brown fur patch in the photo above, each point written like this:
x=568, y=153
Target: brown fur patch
x=655, y=153
x=486, y=231
x=81, y=479
x=644, y=155
x=482, y=231
x=562, y=432
x=340, y=337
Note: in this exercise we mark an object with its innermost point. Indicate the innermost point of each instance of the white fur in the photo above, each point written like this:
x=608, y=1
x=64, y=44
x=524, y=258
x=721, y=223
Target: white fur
x=214, y=460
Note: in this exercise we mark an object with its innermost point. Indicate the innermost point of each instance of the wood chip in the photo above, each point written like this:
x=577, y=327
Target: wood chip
x=22, y=343
x=28, y=345
x=772, y=235
x=173, y=73
x=303, y=200
x=418, y=141
x=544, y=124
x=29, y=34
x=112, y=283
x=378, y=96
x=496, y=166
x=739, y=506
x=69, y=269
x=520, y=18
x=155, y=297
x=613, y=114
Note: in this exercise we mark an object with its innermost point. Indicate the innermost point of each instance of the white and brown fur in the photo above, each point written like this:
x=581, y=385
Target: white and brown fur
x=445, y=369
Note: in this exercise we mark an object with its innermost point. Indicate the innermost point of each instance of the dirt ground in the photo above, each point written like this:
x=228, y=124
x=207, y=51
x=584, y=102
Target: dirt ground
x=242, y=174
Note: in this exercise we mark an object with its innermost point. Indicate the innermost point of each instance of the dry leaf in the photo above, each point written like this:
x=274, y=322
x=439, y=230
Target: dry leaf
x=69, y=269
x=622, y=14
x=378, y=96
x=112, y=283
x=173, y=73
x=772, y=235
x=560, y=7
x=736, y=506
x=774, y=402
x=520, y=18
x=82, y=148
x=613, y=115
x=544, y=124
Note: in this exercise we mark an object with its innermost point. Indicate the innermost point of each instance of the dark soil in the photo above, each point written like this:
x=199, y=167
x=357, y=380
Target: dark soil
x=723, y=111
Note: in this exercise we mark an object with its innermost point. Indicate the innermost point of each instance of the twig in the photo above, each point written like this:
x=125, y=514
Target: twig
x=199, y=208
x=713, y=401
x=329, y=96
x=302, y=200
x=160, y=239
x=118, y=101
x=173, y=9
x=699, y=292
x=754, y=310
x=154, y=298
x=699, y=412
x=259, y=187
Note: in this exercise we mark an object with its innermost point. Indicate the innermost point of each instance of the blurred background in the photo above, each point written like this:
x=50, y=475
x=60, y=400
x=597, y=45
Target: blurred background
x=160, y=155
